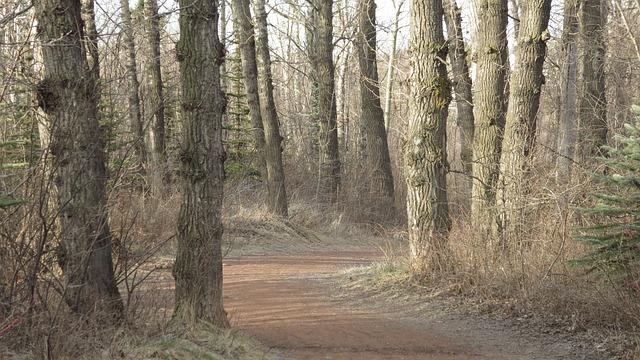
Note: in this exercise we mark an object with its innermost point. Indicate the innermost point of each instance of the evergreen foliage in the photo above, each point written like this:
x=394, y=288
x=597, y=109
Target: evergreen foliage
x=615, y=238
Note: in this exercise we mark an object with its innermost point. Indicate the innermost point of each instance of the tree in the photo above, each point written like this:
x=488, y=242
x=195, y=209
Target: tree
x=524, y=100
x=391, y=66
x=569, y=68
x=135, y=113
x=462, y=88
x=615, y=236
x=198, y=266
x=323, y=69
x=155, y=101
x=243, y=27
x=66, y=95
x=372, y=117
x=425, y=151
x=592, y=101
x=489, y=109
x=277, y=195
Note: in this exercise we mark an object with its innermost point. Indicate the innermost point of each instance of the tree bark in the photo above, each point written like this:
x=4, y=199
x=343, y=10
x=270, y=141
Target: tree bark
x=198, y=265
x=67, y=95
x=592, y=103
x=426, y=156
x=91, y=43
x=155, y=85
x=329, y=162
x=135, y=113
x=462, y=90
x=243, y=27
x=277, y=195
x=520, y=127
x=569, y=90
x=489, y=110
x=376, y=147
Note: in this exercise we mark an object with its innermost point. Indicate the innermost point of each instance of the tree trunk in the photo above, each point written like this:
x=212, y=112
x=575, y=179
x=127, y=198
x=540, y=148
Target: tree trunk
x=520, y=127
x=198, y=265
x=391, y=66
x=243, y=27
x=91, y=43
x=462, y=90
x=156, y=96
x=377, y=157
x=135, y=113
x=592, y=106
x=277, y=200
x=329, y=163
x=67, y=96
x=489, y=110
x=569, y=90
x=426, y=155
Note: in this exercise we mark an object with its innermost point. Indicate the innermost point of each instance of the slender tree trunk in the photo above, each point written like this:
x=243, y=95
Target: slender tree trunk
x=391, y=66
x=66, y=95
x=329, y=165
x=592, y=101
x=569, y=90
x=489, y=110
x=462, y=90
x=91, y=43
x=277, y=201
x=243, y=27
x=135, y=113
x=377, y=149
x=426, y=155
x=520, y=127
x=155, y=85
x=198, y=265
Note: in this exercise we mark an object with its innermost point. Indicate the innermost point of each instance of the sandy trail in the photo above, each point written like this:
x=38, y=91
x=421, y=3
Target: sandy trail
x=286, y=302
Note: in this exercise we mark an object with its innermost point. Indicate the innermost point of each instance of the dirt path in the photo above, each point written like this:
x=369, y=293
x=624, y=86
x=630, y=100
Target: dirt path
x=286, y=302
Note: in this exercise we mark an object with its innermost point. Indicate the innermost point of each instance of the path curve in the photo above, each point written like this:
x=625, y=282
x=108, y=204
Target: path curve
x=286, y=302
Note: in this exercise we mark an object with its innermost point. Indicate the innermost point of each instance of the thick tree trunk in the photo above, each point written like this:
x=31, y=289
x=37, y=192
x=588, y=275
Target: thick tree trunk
x=377, y=157
x=66, y=94
x=277, y=196
x=155, y=85
x=520, y=127
x=592, y=105
x=329, y=162
x=198, y=266
x=135, y=113
x=426, y=155
x=91, y=43
x=569, y=67
x=243, y=27
x=489, y=110
x=462, y=90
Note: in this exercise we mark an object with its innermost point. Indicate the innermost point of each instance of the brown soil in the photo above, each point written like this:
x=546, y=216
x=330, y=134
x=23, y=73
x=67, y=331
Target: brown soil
x=288, y=302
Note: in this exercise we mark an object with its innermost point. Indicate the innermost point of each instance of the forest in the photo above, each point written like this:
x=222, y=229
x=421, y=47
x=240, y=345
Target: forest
x=318, y=179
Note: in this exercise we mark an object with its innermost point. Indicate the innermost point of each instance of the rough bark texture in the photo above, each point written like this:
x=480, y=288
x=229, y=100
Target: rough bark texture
x=488, y=110
x=156, y=97
x=520, y=127
x=198, y=265
x=277, y=197
x=569, y=110
x=135, y=113
x=243, y=27
x=91, y=43
x=378, y=162
x=329, y=162
x=462, y=89
x=592, y=106
x=425, y=152
x=67, y=96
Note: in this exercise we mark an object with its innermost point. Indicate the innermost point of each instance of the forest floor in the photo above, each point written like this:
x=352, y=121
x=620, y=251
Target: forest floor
x=300, y=306
x=308, y=304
